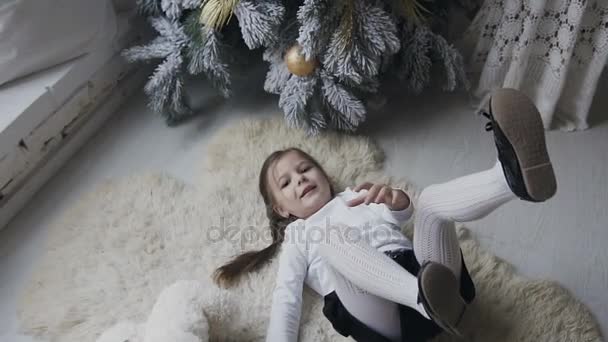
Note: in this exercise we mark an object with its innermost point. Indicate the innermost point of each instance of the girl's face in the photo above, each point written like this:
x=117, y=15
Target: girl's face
x=298, y=187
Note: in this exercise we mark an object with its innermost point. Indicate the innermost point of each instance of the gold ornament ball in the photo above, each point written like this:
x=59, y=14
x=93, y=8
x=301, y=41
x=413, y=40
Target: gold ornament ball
x=297, y=64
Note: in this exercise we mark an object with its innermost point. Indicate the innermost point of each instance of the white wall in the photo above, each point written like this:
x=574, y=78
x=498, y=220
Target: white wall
x=45, y=110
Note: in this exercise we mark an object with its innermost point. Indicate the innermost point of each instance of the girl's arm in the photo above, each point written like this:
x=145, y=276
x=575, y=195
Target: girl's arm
x=396, y=217
x=287, y=295
x=394, y=205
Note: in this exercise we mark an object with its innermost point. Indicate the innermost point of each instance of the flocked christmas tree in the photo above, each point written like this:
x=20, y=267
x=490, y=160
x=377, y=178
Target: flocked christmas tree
x=325, y=56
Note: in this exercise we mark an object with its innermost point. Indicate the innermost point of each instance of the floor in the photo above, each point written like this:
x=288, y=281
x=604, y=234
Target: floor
x=430, y=138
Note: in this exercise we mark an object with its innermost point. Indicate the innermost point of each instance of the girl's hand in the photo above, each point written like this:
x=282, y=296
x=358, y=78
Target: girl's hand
x=381, y=193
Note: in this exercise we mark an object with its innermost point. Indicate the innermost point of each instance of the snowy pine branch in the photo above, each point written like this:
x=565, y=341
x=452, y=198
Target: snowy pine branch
x=365, y=34
x=316, y=24
x=259, y=21
x=212, y=58
x=159, y=47
x=355, y=44
x=343, y=101
x=294, y=98
x=174, y=8
x=421, y=50
x=276, y=78
x=149, y=7
x=452, y=62
x=416, y=60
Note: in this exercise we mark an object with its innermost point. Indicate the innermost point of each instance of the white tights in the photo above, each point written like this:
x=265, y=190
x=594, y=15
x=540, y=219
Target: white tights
x=370, y=284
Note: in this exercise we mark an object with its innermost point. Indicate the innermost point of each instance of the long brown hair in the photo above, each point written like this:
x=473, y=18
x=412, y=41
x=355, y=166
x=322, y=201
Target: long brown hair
x=252, y=261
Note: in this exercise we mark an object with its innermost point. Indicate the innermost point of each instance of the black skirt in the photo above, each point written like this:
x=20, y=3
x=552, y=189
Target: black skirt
x=414, y=327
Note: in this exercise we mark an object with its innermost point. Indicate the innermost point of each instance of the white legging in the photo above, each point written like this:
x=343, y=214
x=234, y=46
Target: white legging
x=370, y=284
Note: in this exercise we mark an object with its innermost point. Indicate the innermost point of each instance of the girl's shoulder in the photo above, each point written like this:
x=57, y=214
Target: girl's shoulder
x=295, y=224
x=296, y=236
x=295, y=229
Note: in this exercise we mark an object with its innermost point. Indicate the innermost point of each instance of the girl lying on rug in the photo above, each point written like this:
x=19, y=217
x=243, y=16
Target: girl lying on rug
x=348, y=247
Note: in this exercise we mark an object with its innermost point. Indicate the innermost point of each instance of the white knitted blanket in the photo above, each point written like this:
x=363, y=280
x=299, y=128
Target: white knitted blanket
x=554, y=50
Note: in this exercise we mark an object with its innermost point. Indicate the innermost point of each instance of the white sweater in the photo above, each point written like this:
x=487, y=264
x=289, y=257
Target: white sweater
x=300, y=262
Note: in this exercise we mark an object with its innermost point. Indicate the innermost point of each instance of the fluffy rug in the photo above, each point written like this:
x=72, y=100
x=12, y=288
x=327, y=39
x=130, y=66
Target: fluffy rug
x=109, y=257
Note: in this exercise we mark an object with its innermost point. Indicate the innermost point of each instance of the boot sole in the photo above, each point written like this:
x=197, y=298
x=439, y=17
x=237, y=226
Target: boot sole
x=521, y=123
x=436, y=281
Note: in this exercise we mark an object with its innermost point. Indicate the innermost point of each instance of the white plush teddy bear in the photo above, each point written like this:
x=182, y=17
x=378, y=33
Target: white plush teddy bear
x=177, y=316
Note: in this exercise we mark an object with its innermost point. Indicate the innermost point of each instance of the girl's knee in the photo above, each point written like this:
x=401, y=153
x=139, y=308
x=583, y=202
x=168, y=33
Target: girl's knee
x=428, y=197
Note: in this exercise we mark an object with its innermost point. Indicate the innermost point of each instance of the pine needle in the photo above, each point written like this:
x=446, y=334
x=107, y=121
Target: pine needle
x=413, y=10
x=216, y=13
x=347, y=28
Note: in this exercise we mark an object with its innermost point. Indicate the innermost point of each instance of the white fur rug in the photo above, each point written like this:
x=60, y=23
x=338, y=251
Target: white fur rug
x=109, y=257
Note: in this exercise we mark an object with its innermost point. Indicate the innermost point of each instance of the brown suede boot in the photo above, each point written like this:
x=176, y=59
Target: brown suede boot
x=439, y=293
x=520, y=141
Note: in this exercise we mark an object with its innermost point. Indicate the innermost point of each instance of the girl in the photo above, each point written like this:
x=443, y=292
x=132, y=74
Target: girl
x=348, y=246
